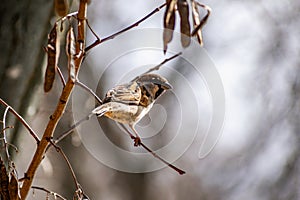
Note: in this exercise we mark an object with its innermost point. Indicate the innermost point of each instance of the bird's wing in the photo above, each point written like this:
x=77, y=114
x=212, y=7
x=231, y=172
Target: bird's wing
x=127, y=94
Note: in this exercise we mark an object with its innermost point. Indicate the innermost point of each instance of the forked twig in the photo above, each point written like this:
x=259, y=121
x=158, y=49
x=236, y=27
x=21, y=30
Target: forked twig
x=31, y=131
x=98, y=41
x=82, y=85
x=49, y=192
x=58, y=149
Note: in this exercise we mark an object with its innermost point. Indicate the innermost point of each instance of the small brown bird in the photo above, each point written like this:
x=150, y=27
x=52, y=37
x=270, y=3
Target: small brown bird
x=128, y=103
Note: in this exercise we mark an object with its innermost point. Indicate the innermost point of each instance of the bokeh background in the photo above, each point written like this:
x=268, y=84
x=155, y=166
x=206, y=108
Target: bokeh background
x=255, y=47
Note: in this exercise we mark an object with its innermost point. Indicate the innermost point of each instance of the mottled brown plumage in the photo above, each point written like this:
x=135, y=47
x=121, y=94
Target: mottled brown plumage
x=130, y=102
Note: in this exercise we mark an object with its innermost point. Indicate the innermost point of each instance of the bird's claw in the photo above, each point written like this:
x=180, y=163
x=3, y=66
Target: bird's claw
x=137, y=141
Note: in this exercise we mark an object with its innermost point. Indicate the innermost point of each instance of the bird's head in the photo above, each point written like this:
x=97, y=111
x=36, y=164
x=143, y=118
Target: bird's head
x=153, y=85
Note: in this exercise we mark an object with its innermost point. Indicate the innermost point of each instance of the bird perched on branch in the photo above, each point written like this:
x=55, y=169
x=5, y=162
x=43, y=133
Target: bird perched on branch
x=130, y=102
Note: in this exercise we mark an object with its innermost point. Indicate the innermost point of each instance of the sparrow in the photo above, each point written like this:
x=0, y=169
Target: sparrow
x=128, y=103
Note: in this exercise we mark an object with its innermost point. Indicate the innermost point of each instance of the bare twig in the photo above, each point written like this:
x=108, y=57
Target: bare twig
x=88, y=90
x=157, y=67
x=58, y=149
x=13, y=146
x=61, y=76
x=49, y=192
x=65, y=134
x=4, y=134
x=98, y=41
x=68, y=16
x=88, y=24
x=181, y=172
x=31, y=131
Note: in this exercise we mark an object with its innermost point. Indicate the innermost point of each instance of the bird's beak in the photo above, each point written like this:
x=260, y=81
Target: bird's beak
x=166, y=86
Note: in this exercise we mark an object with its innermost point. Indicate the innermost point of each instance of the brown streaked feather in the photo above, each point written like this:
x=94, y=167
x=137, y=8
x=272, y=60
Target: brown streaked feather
x=126, y=93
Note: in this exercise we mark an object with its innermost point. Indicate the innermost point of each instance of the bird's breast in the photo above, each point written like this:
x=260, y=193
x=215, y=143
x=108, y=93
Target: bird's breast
x=126, y=114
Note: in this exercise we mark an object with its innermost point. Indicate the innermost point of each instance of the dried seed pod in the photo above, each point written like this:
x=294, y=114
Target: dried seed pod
x=169, y=23
x=183, y=9
x=71, y=52
x=61, y=7
x=53, y=55
x=196, y=22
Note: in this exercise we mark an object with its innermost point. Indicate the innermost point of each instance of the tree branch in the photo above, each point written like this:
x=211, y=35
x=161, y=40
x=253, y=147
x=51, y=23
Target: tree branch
x=49, y=192
x=31, y=131
x=98, y=41
x=62, y=103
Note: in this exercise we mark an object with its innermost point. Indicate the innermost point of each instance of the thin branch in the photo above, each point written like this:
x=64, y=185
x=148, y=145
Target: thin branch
x=181, y=172
x=31, y=131
x=4, y=134
x=14, y=147
x=88, y=90
x=66, y=133
x=49, y=192
x=98, y=41
x=88, y=24
x=157, y=67
x=61, y=76
x=5, y=128
x=68, y=16
x=58, y=149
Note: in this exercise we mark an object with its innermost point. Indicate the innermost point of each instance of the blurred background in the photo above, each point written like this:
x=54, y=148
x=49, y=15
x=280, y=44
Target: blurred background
x=255, y=48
